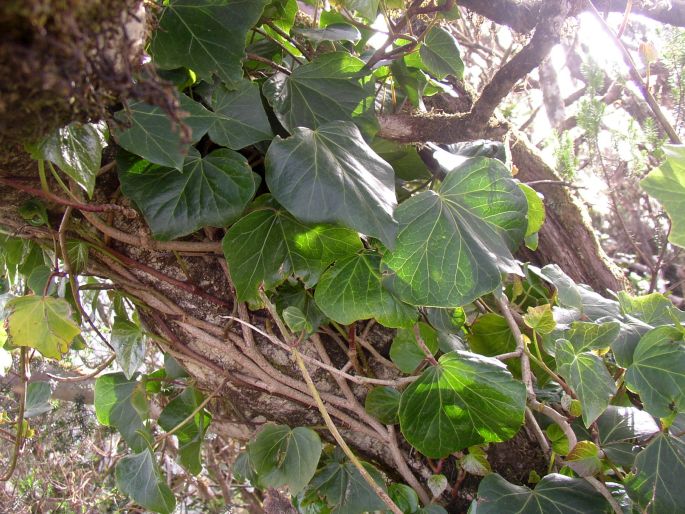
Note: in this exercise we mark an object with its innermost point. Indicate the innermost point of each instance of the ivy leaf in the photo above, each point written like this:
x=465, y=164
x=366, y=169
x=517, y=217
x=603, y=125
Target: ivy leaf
x=440, y=54
x=657, y=371
x=129, y=346
x=325, y=90
x=285, y=456
x=330, y=175
x=584, y=459
x=405, y=351
x=540, y=319
x=296, y=296
x=621, y=429
x=454, y=242
x=383, y=403
x=490, y=335
x=37, y=399
x=41, y=322
x=191, y=435
x=212, y=191
x=77, y=150
x=345, y=490
x=139, y=477
x=657, y=482
x=296, y=320
x=366, y=8
x=475, y=462
x=592, y=336
x=267, y=245
x=437, y=484
x=240, y=119
x=466, y=400
x=587, y=374
x=205, y=36
x=667, y=184
x=154, y=137
x=653, y=309
x=536, y=215
x=119, y=403
x=78, y=253
x=404, y=497
x=554, y=493
x=332, y=32
x=351, y=290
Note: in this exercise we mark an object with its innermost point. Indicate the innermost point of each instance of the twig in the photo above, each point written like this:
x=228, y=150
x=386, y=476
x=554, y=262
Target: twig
x=557, y=418
x=82, y=378
x=288, y=38
x=422, y=344
x=601, y=489
x=403, y=468
x=537, y=431
x=269, y=62
x=339, y=439
x=276, y=41
x=526, y=374
x=20, y=417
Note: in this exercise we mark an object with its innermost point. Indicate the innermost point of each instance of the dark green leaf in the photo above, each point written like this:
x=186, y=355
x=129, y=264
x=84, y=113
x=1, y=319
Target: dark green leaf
x=282, y=456
x=653, y=309
x=440, y=54
x=383, y=403
x=592, y=336
x=77, y=150
x=405, y=351
x=351, y=290
x=119, y=403
x=657, y=373
x=191, y=435
x=139, y=477
x=490, y=335
x=129, y=345
x=240, y=117
x=404, y=497
x=404, y=159
x=587, y=374
x=269, y=244
x=621, y=429
x=207, y=36
x=366, y=8
x=37, y=399
x=324, y=90
x=332, y=32
x=453, y=243
x=466, y=400
x=295, y=295
x=211, y=191
x=657, y=482
x=154, y=137
x=555, y=493
x=314, y=177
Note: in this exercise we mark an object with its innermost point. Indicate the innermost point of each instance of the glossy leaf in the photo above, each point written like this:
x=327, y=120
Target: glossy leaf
x=653, y=309
x=466, y=400
x=153, y=136
x=657, y=482
x=667, y=184
x=383, y=403
x=657, y=373
x=404, y=497
x=554, y=493
x=240, y=119
x=139, y=477
x=490, y=335
x=351, y=290
x=267, y=245
x=592, y=336
x=41, y=322
x=332, y=32
x=330, y=175
x=324, y=90
x=440, y=54
x=191, y=434
x=207, y=36
x=405, y=351
x=212, y=191
x=588, y=376
x=77, y=150
x=454, y=242
x=129, y=345
x=121, y=403
x=282, y=456
x=584, y=459
x=621, y=429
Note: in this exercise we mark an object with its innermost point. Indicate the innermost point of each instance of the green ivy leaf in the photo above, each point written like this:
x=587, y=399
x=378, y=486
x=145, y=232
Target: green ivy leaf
x=207, y=36
x=295, y=295
x=592, y=336
x=554, y=493
x=584, y=459
x=191, y=435
x=212, y=191
x=312, y=175
x=490, y=335
x=657, y=482
x=240, y=117
x=37, y=399
x=587, y=374
x=324, y=90
x=558, y=439
x=404, y=497
x=437, y=484
x=441, y=55
x=285, y=456
x=405, y=351
x=139, y=477
x=78, y=253
x=540, y=319
x=77, y=150
x=653, y=309
x=155, y=138
x=667, y=184
x=475, y=462
x=129, y=345
x=383, y=403
x=332, y=32
x=296, y=320
x=536, y=215
x=657, y=371
x=466, y=400
x=267, y=245
x=41, y=322
x=454, y=242
x=119, y=403
x=621, y=429
x=366, y=8
x=351, y=290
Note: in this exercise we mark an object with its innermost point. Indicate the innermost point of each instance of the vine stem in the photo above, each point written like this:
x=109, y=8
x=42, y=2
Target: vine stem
x=82, y=378
x=422, y=344
x=20, y=417
x=602, y=489
x=339, y=439
x=520, y=343
x=557, y=418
